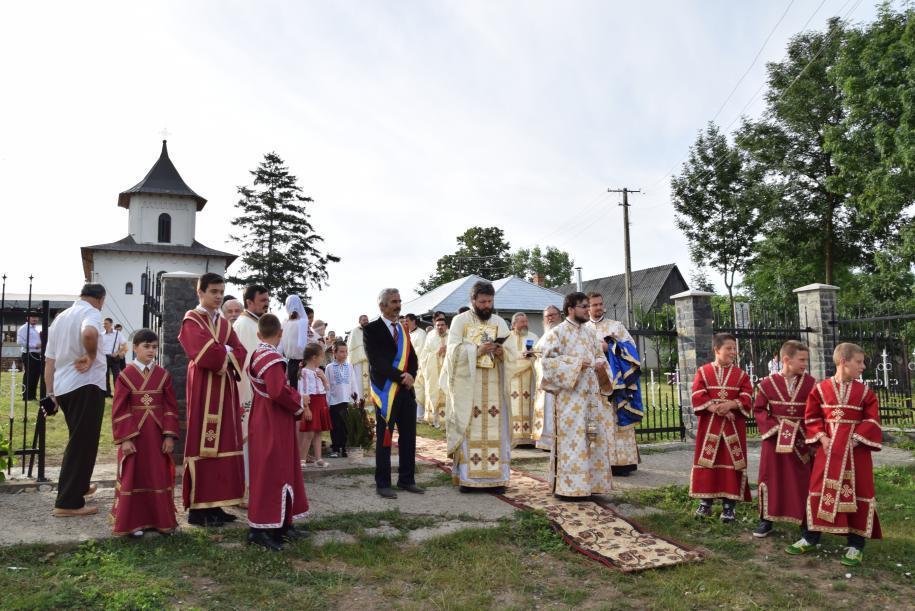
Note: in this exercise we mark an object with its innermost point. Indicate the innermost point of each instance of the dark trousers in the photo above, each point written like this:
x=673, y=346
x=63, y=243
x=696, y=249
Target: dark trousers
x=114, y=369
x=31, y=373
x=405, y=421
x=292, y=371
x=83, y=409
x=338, y=423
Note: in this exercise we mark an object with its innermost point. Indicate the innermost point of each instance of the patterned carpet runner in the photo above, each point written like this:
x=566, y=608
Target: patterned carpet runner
x=589, y=527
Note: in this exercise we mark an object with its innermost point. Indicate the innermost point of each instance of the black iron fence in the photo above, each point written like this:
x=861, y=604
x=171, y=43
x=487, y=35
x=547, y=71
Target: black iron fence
x=151, y=289
x=655, y=334
x=888, y=341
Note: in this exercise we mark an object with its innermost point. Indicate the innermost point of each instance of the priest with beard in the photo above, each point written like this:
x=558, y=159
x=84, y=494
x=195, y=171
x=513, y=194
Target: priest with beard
x=473, y=378
x=430, y=363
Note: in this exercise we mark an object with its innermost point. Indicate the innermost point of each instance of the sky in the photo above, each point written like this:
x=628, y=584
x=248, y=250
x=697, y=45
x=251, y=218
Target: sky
x=407, y=122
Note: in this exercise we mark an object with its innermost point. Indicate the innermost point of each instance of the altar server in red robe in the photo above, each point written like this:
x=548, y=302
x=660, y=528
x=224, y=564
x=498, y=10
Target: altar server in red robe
x=843, y=426
x=144, y=420
x=722, y=396
x=214, y=475
x=277, y=490
x=784, y=462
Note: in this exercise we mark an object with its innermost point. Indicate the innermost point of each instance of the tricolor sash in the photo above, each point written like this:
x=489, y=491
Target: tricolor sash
x=384, y=397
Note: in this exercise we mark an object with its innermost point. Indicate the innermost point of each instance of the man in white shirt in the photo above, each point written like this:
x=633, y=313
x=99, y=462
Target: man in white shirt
x=75, y=377
x=110, y=344
x=29, y=339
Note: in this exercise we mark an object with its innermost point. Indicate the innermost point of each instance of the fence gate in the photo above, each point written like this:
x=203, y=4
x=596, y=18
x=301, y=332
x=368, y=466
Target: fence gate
x=889, y=344
x=760, y=333
x=655, y=335
x=151, y=287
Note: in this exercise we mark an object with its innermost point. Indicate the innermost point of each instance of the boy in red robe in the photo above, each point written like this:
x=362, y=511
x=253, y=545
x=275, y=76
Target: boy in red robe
x=721, y=398
x=144, y=420
x=214, y=472
x=784, y=462
x=277, y=490
x=843, y=425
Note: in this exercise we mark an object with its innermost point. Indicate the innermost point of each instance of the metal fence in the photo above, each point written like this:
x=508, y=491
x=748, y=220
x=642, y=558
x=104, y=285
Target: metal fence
x=655, y=334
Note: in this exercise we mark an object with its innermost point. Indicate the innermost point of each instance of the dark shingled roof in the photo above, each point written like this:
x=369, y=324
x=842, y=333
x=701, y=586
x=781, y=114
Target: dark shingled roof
x=646, y=287
x=128, y=244
x=162, y=179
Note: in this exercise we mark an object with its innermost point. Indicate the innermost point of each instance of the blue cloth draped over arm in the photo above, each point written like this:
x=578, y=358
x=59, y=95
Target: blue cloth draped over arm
x=625, y=372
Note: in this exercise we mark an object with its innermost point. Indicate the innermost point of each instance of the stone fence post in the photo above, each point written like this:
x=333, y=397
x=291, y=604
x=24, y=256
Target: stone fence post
x=694, y=345
x=816, y=304
x=179, y=294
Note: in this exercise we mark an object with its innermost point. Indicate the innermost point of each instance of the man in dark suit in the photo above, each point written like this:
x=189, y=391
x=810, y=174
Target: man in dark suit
x=381, y=338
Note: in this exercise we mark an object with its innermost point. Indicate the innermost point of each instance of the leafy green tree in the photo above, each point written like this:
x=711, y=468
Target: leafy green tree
x=280, y=248
x=481, y=250
x=554, y=266
x=811, y=230
x=874, y=147
x=716, y=198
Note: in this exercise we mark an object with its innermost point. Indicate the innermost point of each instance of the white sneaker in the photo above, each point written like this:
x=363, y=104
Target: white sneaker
x=136, y=534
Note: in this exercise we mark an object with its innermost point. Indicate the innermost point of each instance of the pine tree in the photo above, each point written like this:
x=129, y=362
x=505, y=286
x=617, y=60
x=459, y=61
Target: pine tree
x=280, y=248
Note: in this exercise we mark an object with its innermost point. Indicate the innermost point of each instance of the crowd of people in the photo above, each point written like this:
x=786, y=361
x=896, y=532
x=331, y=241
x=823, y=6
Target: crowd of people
x=261, y=393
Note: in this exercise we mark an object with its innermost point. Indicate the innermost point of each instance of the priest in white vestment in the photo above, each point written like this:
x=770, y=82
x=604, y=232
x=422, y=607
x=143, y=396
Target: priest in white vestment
x=521, y=379
x=624, y=452
x=477, y=411
x=542, y=424
x=571, y=358
x=360, y=362
x=430, y=362
x=417, y=339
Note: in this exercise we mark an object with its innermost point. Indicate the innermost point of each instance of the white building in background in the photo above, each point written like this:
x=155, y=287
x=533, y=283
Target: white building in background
x=161, y=222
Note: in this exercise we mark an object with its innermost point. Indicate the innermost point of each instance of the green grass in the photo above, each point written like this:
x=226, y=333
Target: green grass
x=520, y=563
x=56, y=433
x=429, y=432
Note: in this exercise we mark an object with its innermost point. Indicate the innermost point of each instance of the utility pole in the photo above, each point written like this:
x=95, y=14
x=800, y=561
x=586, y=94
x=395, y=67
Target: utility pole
x=626, y=191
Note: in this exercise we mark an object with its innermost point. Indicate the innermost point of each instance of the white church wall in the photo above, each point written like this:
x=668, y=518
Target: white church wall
x=145, y=209
x=115, y=269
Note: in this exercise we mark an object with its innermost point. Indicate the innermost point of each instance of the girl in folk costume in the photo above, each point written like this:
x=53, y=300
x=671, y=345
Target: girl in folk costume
x=144, y=420
x=784, y=462
x=313, y=388
x=843, y=426
x=721, y=398
x=277, y=491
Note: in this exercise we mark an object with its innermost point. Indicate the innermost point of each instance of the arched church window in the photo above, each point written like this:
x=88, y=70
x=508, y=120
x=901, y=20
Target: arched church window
x=128, y=289
x=165, y=228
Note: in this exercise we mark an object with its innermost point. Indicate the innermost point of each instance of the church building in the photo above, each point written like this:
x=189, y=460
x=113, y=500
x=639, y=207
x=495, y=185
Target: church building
x=161, y=222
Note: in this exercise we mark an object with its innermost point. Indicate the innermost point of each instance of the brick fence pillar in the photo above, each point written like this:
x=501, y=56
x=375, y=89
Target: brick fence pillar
x=816, y=305
x=179, y=294
x=694, y=345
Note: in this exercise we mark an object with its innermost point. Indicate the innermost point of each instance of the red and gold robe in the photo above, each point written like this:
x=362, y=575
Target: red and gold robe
x=214, y=471
x=784, y=461
x=144, y=411
x=720, y=460
x=277, y=490
x=841, y=498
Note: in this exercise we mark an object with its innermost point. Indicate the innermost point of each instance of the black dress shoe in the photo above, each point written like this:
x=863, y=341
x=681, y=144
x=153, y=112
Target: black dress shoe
x=412, y=488
x=291, y=533
x=386, y=493
x=202, y=517
x=263, y=538
x=220, y=514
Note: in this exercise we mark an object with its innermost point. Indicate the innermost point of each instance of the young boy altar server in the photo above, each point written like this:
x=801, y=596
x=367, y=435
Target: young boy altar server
x=721, y=398
x=843, y=425
x=277, y=490
x=784, y=462
x=144, y=420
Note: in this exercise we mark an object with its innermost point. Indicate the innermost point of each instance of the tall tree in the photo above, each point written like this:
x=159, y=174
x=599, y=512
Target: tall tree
x=874, y=146
x=554, y=266
x=481, y=250
x=280, y=248
x=811, y=231
x=716, y=199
